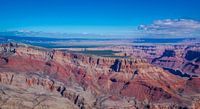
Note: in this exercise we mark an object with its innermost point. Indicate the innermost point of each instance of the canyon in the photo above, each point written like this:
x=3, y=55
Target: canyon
x=37, y=78
x=182, y=57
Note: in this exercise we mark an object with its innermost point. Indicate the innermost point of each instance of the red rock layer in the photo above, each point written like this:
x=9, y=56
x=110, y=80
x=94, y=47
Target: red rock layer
x=116, y=78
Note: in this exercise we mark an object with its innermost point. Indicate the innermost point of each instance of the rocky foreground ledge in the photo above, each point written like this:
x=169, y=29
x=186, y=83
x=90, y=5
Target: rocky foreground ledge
x=39, y=78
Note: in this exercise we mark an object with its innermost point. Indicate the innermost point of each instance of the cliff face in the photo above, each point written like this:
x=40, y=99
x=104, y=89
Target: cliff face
x=180, y=59
x=95, y=82
x=32, y=91
x=186, y=60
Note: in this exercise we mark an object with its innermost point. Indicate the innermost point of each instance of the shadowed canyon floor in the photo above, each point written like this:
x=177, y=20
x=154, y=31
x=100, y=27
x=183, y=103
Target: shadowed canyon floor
x=39, y=78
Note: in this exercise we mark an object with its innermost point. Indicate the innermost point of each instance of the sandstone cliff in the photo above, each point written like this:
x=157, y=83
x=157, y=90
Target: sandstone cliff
x=96, y=82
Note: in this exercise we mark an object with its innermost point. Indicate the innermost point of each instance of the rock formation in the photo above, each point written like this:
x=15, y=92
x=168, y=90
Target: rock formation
x=87, y=82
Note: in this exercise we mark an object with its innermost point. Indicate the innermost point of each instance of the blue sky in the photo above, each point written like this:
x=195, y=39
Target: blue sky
x=95, y=16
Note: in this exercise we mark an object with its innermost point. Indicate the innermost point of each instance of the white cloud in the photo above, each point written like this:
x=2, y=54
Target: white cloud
x=172, y=28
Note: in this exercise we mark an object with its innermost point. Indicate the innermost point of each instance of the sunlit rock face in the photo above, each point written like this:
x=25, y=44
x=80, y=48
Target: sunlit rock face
x=183, y=57
x=185, y=60
x=87, y=82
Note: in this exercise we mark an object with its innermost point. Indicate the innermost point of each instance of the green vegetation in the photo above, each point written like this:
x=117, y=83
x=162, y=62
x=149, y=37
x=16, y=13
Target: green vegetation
x=103, y=53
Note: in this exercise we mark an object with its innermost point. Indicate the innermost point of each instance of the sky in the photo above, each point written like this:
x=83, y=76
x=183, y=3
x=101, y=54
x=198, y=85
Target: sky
x=98, y=16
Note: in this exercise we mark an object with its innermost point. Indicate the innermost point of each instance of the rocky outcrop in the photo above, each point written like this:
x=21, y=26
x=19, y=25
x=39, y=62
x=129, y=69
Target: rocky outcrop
x=176, y=57
x=116, y=66
x=35, y=82
x=96, y=82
